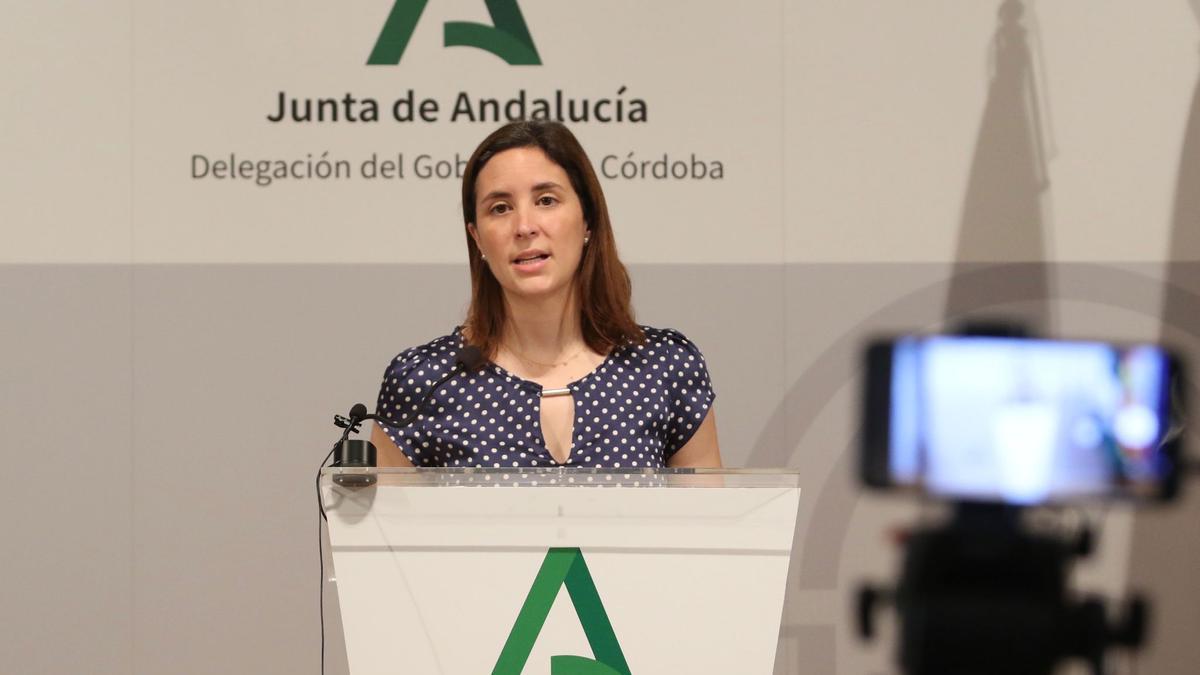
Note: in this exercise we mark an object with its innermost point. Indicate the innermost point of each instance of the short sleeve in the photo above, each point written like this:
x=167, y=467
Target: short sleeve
x=404, y=385
x=691, y=394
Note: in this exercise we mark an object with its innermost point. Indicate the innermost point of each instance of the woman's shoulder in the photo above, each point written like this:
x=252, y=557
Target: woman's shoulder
x=677, y=359
x=438, y=351
x=668, y=342
x=666, y=339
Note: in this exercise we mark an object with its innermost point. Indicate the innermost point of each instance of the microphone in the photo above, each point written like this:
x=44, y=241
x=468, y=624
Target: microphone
x=358, y=413
x=356, y=453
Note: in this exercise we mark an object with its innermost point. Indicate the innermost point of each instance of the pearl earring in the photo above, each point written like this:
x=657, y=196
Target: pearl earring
x=482, y=256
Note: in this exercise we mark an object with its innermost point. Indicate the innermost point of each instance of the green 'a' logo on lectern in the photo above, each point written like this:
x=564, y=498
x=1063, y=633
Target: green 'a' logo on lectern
x=564, y=567
x=508, y=37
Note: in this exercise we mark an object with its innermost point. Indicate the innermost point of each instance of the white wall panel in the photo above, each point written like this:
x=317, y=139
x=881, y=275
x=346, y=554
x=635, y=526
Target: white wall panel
x=65, y=132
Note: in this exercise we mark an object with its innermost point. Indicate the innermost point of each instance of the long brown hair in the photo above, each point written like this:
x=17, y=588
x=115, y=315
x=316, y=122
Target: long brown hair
x=602, y=285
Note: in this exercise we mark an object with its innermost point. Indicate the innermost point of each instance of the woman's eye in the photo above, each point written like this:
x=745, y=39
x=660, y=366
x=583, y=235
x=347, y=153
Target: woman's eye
x=499, y=209
x=546, y=200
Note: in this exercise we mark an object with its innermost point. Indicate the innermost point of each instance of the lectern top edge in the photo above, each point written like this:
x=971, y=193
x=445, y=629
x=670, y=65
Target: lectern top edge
x=574, y=477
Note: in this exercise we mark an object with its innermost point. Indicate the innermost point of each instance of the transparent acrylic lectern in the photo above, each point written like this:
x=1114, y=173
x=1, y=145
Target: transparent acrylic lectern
x=562, y=571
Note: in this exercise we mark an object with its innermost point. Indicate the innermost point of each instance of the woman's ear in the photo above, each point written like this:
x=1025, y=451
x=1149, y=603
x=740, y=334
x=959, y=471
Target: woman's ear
x=474, y=232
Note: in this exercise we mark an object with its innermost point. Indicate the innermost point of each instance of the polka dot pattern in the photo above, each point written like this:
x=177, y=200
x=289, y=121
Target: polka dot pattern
x=635, y=410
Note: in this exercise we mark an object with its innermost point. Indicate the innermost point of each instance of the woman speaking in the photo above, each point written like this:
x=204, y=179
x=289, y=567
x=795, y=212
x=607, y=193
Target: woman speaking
x=567, y=377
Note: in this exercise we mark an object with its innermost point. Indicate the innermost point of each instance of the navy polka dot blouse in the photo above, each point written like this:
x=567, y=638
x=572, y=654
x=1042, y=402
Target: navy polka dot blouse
x=636, y=409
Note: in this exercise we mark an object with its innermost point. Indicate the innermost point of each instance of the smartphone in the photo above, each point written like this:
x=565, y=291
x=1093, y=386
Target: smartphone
x=1022, y=421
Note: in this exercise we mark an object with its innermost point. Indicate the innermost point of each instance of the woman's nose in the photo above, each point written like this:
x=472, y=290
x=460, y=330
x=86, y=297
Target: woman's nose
x=526, y=227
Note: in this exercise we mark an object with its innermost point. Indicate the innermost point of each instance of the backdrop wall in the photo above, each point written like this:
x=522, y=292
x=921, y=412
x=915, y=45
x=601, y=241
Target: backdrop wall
x=786, y=180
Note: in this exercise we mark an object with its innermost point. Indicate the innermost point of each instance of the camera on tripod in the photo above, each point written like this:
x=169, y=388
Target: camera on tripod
x=994, y=423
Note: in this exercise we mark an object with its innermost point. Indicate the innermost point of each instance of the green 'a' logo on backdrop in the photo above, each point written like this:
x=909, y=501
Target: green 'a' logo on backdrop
x=564, y=567
x=507, y=38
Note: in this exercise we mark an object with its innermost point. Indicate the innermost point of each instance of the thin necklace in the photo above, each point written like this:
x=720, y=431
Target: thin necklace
x=530, y=361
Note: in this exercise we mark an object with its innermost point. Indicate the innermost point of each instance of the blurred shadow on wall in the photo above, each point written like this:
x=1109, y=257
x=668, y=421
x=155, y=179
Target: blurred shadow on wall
x=1165, y=565
x=1003, y=214
x=1183, y=255
x=1000, y=262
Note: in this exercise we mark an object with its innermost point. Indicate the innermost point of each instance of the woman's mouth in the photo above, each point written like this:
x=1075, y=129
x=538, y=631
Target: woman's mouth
x=529, y=260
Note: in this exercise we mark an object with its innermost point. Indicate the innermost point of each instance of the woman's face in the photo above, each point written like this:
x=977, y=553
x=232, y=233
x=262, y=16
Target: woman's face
x=528, y=223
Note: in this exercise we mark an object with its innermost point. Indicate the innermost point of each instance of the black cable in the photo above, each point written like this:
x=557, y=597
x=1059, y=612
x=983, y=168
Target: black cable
x=321, y=554
x=320, y=502
x=351, y=426
x=321, y=591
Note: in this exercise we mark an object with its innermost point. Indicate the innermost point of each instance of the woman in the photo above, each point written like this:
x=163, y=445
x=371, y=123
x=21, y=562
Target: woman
x=570, y=379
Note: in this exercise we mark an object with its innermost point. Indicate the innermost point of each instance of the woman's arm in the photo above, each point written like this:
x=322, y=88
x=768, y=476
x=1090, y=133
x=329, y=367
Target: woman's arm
x=701, y=450
x=389, y=454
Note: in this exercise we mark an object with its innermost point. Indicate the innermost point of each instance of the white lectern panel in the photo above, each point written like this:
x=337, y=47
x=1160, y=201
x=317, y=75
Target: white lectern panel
x=434, y=567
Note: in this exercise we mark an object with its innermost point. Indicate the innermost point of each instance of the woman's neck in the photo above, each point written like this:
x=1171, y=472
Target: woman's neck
x=543, y=330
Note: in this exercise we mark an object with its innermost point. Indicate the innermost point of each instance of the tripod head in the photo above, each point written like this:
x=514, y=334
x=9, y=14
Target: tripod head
x=982, y=595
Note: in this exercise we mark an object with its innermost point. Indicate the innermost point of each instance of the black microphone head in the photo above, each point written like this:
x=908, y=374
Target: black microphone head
x=469, y=357
x=358, y=412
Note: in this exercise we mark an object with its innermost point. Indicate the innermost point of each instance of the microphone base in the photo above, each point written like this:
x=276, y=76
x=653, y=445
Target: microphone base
x=355, y=454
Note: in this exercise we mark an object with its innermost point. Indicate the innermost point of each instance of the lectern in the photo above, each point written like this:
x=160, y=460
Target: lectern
x=562, y=571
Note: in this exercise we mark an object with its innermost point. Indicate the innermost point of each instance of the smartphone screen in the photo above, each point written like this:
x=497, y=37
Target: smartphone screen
x=1021, y=421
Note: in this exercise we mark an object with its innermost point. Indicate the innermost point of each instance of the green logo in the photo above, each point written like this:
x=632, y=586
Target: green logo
x=563, y=566
x=507, y=38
